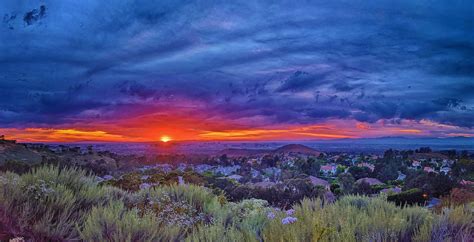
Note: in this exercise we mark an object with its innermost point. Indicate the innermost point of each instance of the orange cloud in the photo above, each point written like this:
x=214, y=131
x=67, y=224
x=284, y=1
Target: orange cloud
x=60, y=135
x=298, y=132
x=196, y=127
x=362, y=126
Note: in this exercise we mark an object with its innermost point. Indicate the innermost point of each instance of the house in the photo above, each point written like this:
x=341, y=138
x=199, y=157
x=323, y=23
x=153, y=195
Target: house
x=445, y=170
x=182, y=167
x=253, y=161
x=447, y=162
x=319, y=182
x=433, y=202
x=328, y=169
x=255, y=173
x=429, y=169
x=434, y=163
x=401, y=176
x=370, y=181
x=467, y=183
x=202, y=168
x=416, y=164
x=165, y=167
x=272, y=172
x=227, y=170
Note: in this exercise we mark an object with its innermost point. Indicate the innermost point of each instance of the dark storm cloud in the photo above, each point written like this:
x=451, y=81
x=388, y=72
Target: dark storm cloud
x=34, y=15
x=136, y=89
x=287, y=62
x=300, y=81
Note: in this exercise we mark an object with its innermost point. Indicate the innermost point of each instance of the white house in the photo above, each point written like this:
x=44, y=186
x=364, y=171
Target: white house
x=445, y=170
x=401, y=176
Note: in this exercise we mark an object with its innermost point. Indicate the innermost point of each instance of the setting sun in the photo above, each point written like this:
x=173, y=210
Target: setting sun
x=165, y=138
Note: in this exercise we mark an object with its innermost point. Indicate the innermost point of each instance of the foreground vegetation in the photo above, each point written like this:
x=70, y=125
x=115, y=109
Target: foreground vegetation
x=58, y=204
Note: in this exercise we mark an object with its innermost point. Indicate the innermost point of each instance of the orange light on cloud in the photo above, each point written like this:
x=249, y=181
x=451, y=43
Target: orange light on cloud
x=302, y=132
x=362, y=126
x=60, y=135
x=182, y=128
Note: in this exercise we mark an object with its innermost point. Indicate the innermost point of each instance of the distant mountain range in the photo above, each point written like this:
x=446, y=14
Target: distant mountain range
x=290, y=148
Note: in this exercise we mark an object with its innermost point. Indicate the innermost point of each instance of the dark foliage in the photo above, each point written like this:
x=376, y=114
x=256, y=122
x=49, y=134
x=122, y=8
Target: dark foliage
x=409, y=197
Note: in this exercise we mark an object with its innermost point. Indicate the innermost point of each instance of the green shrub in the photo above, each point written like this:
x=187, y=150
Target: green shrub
x=129, y=182
x=18, y=167
x=409, y=197
x=281, y=195
x=52, y=204
x=242, y=221
x=219, y=233
x=184, y=206
x=117, y=223
x=453, y=224
x=308, y=226
x=352, y=218
x=47, y=203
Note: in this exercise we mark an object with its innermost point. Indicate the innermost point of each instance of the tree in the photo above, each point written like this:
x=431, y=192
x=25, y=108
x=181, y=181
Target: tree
x=464, y=169
x=362, y=188
x=315, y=166
x=340, y=169
x=346, y=182
x=387, y=172
x=388, y=154
x=430, y=183
x=269, y=160
x=387, y=168
x=223, y=159
x=308, y=166
x=359, y=171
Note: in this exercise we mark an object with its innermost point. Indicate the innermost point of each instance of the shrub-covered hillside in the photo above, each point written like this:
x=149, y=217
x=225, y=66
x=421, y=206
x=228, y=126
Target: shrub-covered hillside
x=53, y=204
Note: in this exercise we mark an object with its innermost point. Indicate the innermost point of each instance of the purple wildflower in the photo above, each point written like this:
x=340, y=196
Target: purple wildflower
x=270, y=215
x=290, y=212
x=288, y=220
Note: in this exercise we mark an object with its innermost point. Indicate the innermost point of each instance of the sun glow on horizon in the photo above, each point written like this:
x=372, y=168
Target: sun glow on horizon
x=165, y=138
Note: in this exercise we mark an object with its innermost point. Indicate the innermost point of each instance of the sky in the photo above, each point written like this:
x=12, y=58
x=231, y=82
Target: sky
x=235, y=70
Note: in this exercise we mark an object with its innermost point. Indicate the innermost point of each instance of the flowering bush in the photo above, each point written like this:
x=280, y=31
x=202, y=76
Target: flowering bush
x=52, y=204
x=48, y=203
x=40, y=190
x=182, y=206
x=169, y=212
x=117, y=223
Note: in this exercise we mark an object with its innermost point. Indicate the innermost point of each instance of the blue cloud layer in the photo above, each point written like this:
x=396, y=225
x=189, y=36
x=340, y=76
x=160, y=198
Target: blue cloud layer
x=291, y=62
